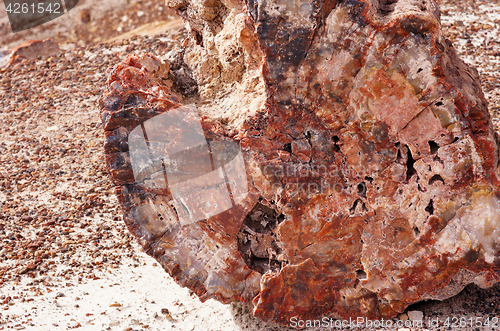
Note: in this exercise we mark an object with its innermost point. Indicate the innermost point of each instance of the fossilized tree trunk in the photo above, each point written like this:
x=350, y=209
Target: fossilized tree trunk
x=370, y=164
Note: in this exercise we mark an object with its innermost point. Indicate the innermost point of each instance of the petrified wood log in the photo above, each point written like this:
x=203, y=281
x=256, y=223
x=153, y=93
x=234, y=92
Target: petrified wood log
x=310, y=159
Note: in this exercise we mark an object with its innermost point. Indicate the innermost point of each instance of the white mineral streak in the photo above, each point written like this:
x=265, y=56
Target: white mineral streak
x=481, y=220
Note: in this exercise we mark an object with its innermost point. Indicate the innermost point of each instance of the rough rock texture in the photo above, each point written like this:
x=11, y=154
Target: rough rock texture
x=371, y=162
x=30, y=50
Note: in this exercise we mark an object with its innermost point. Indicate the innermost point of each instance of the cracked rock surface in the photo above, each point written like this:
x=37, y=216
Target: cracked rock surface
x=371, y=161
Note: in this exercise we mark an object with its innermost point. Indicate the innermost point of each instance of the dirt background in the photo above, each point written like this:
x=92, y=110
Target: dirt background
x=66, y=258
x=91, y=22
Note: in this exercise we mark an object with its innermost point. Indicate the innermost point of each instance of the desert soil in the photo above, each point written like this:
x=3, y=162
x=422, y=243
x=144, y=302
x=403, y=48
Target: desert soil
x=66, y=258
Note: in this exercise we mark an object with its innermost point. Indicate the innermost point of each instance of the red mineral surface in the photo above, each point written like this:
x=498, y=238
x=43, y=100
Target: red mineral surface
x=310, y=159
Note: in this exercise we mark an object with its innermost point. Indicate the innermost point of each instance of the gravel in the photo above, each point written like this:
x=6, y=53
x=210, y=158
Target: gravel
x=60, y=223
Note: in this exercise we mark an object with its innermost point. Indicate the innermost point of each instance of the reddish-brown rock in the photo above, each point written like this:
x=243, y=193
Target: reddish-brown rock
x=370, y=166
x=30, y=49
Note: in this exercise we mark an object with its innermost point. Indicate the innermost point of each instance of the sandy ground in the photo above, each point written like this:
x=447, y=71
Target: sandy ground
x=66, y=258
